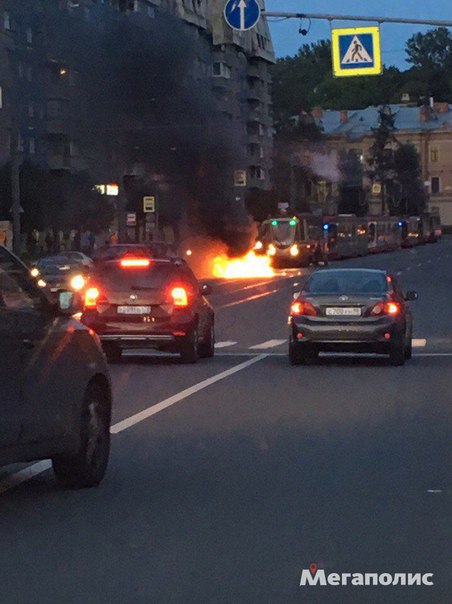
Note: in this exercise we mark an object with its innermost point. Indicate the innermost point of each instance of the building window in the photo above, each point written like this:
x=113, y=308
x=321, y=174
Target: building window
x=6, y=21
x=29, y=73
x=434, y=154
x=32, y=146
x=29, y=35
x=20, y=143
x=436, y=184
x=20, y=70
x=31, y=109
x=1, y=97
x=221, y=70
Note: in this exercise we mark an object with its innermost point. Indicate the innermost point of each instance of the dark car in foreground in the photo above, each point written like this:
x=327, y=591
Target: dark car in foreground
x=55, y=390
x=350, y=310
x=137, y=301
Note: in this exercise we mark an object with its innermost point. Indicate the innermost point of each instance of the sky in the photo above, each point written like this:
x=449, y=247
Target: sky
x=287, y=40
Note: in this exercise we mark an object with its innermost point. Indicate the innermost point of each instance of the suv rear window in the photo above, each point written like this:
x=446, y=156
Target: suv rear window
x=117, y=278
x=347, y=282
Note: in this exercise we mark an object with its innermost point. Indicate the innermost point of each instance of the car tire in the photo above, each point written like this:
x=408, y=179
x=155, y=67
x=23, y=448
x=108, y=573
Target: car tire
x=113, y=353
x=189, y=351
x=408, y=350
x=87, y=467
x=397, y=352
x=207, y=348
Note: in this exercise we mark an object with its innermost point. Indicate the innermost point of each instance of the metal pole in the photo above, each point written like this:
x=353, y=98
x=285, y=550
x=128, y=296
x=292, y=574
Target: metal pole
x=328, y=17
x=15, y=195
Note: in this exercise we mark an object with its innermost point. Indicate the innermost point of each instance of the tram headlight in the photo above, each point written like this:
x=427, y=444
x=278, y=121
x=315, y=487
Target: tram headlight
x=294, y=251
x=271, y=250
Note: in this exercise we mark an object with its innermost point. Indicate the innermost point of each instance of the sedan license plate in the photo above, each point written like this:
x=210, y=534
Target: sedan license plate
x=344, y=311
x=134, y=310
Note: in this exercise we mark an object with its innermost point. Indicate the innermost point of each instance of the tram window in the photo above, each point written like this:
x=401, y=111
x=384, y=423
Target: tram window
x=313, y=231
x=353, y=230
x=372, y=231
x=332, y=233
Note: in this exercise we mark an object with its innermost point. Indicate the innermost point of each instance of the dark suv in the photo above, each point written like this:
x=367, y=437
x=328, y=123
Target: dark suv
x=143, y=302
x=55, y=390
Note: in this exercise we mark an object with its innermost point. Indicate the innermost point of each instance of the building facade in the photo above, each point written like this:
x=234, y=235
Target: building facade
x=44, y=96
x=427, y=128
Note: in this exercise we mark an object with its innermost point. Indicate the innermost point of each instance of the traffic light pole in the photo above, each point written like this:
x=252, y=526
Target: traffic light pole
x=329, y=17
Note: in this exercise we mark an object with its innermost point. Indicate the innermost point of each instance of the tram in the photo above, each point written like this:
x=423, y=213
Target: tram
x=302, y=239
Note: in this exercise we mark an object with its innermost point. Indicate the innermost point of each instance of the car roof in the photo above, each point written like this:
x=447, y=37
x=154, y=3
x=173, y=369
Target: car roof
x=379, y=271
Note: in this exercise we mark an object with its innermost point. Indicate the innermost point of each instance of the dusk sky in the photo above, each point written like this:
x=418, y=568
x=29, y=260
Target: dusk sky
x=287, y=40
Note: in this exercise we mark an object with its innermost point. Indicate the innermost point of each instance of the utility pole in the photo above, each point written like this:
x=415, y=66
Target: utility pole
x=15, y=195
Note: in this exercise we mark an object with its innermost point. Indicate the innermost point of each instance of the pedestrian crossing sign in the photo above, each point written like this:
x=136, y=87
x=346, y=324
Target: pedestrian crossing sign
x=356, y=51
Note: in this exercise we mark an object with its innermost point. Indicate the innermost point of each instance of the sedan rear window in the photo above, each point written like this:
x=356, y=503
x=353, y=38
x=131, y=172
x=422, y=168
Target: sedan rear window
x=117, y=278
x=347, y=282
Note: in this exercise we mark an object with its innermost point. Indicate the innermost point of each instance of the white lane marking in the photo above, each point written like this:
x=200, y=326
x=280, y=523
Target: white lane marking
x=433, y=354
x=27, y=473
x=42, y=466
x=172, y=400
x=250, y=299
x=268, y=344
x=408, y=268
x=398, y=273
x=418, y=342
x=225, y=344
x=420, y=264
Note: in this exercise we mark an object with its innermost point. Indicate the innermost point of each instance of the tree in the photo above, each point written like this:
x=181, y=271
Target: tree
x=411, y=198
x=352, y=195
x=431, y=57
x=381, y=157
x=296, y=78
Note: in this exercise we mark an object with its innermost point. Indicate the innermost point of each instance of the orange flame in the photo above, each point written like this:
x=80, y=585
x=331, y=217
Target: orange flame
x=246, y=267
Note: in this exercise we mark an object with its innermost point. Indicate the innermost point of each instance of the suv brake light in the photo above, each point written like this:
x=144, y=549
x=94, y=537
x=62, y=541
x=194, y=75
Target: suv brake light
x=302, y=308
x=130, y=262
x=385, y=308
x=91, y=296
x=179, y=296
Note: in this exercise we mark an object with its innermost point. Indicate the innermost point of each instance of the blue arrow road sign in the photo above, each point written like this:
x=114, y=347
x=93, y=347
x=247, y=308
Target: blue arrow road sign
x=242, y=14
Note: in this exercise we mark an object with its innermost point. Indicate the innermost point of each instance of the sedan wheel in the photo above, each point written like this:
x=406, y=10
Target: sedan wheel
x=87, y=467
x=189, y=352
x=207, y=348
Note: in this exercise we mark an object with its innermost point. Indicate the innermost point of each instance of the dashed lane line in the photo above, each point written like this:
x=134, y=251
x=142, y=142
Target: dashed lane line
x=268, y=344
x=418, y=342
x=250, y=299
x=225, y=344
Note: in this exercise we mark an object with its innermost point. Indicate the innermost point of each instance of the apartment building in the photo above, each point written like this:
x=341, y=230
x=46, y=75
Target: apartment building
x=43, y=98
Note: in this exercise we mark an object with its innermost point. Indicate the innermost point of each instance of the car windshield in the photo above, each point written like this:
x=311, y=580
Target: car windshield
x=53, y=265
x=283, y=232
x=116, y=278
x=347, y=282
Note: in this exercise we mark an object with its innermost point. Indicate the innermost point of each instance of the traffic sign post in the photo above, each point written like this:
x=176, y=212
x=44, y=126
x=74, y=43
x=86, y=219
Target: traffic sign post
x=356, y=51
x=242, y=14
x=240, y=178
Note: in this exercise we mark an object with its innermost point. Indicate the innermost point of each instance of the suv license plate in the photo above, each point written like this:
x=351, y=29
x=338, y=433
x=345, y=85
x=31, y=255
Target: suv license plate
x=351, y=311
x=134, y=310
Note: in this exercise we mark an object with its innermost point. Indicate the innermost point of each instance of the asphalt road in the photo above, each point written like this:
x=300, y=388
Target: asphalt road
x=243, y=470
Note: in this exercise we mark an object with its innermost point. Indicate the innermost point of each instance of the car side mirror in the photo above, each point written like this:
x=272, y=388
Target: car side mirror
x=410, y=296
x=206, y=290
x=69, y=303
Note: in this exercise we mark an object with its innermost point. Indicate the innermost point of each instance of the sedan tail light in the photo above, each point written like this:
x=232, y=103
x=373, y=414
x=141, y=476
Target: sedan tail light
x=302, y=308
x=386, y=308
x=91, y=297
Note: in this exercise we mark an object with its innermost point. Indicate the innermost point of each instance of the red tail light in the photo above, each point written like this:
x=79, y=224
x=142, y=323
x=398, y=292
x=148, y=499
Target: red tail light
x=179, y=296
x=385, y=308
x=303, y=308
x=91, y=296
